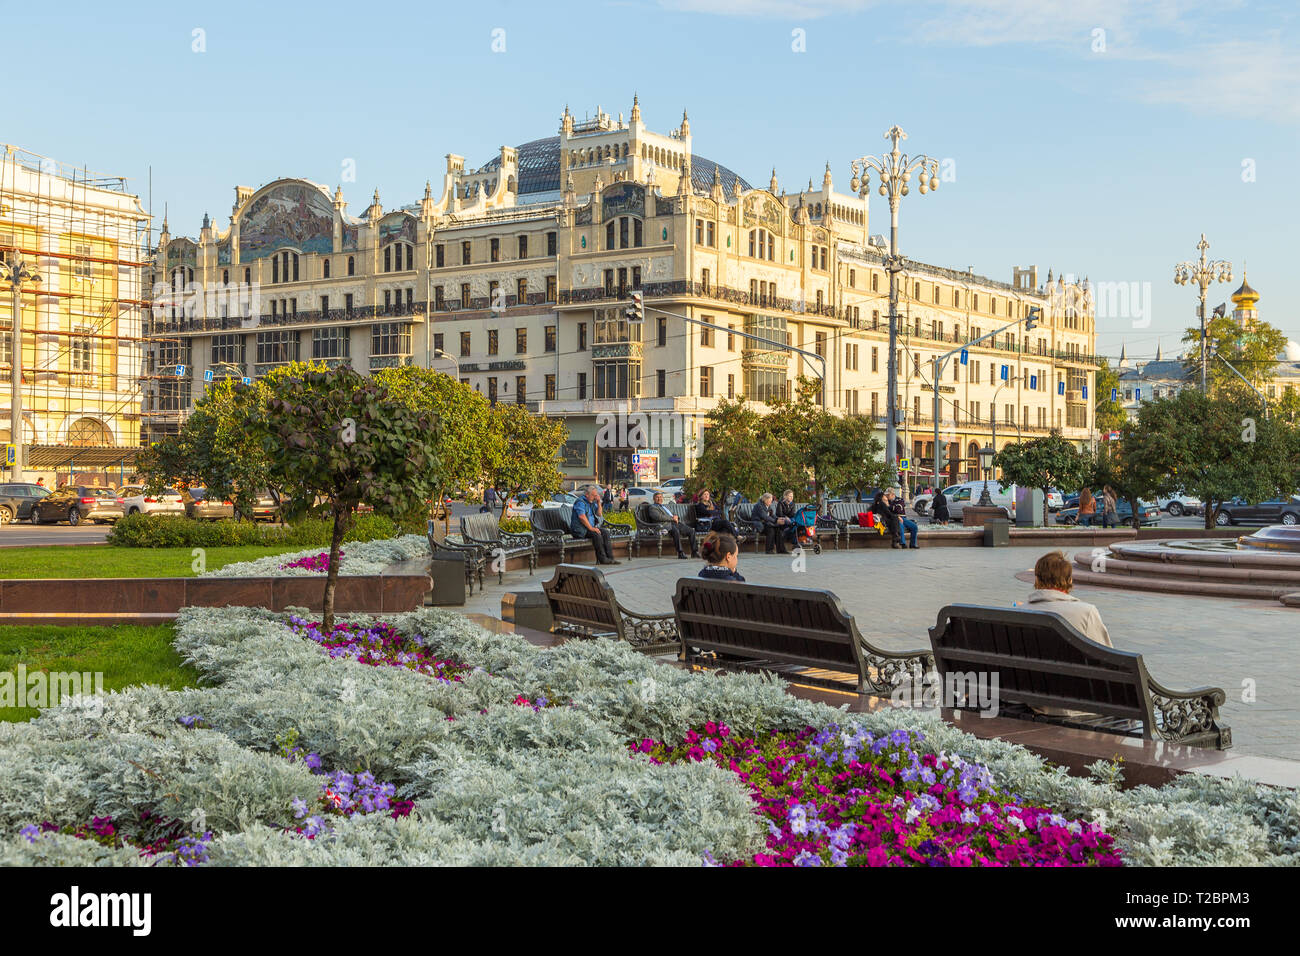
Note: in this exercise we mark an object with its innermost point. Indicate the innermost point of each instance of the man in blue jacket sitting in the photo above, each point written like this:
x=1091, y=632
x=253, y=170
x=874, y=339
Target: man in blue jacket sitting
x=588, y=522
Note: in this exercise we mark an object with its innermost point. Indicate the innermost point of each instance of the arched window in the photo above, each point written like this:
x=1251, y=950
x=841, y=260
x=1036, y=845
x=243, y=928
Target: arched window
x=325, y=269
x=89, y=431
x=352, y=265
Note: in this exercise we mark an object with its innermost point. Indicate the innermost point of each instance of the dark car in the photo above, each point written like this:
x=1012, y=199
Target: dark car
x=203, y=508
x=17, y=498
x=1148, y=514
x=77, y=503
x=266, y=506
x=1272, y=511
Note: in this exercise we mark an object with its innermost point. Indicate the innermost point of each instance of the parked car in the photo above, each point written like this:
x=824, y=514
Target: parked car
x=1273, y=511
x=672, y=486
x=921, y=503
x=17, y=498
x=1055, y=500
x=202, y=508
x=266, y=506
x=970, y=492
x=1148, y=514
x=77, y=503
x=1180, y=504
x=136, y=501
x=637, y=495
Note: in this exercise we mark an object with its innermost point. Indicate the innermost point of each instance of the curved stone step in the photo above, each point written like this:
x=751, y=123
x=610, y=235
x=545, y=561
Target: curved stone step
x=1286, y=594
x=1226, y=575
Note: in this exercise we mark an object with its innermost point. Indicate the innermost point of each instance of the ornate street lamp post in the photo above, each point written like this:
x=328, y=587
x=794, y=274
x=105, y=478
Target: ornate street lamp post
x=1201, y=273
x=16, y=273
x=986, y=463
x=895, y=171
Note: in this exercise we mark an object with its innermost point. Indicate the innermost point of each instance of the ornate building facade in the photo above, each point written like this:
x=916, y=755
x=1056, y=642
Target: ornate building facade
x=81, y=347
x=515, y=279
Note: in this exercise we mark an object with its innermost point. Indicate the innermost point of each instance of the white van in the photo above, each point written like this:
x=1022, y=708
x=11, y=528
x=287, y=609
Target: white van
x=968, y=493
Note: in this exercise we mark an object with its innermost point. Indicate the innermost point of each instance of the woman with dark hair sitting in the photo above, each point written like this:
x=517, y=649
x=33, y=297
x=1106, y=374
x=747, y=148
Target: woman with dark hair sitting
x=722, y=554
x=711, y=516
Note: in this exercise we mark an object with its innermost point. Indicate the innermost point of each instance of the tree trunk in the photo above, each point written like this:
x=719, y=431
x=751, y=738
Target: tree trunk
x=332, y=573
x=1210, y=513
x=1046, y=510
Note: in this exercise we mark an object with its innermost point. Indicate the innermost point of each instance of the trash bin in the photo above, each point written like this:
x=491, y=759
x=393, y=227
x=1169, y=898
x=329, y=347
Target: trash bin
x=447, y=570
x=997, y=533
x=527, y=609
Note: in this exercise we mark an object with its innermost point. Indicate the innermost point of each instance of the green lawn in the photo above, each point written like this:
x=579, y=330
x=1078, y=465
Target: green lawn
x=125, y=654
x=104, y=561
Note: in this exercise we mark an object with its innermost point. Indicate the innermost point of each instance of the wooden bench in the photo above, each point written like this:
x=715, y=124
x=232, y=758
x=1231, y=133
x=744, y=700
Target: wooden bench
x=483, y=529
x=846, y=514
x=794, y=632
x=1042, y=661
x=583, y=605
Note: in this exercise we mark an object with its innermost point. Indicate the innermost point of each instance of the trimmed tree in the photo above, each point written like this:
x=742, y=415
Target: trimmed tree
x=1043, y=463
x=1213, y=447
x=531, y=449
x=339, y=436
x=739, y=452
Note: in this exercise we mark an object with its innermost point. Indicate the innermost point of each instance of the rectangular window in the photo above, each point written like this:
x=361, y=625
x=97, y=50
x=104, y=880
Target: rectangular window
x=277, y=347
x=464, y=344
x=699, y=232
x=875, y=404
x=609, y=279
x=582, y=385
x=582, y=336
x=390, y=339
x=706, y=334
x=437, y=342
x=439, y=256
x=704, y=280
x=521, y=341
x=622, y=232
x=492, y=389
x=662, y=330
x=465, y=253
x=708, y=232
x=347, y=303
x=706, y=382
x=731, y=386
x=661, y=382
x=637, y=239
x=550, y=388
x=495, y=250
x=550, y=288
x=609, y=235
x=523, y=247
x=731, y=338
x=636, y=277
x=228, y=348
x=521, y=390
x=551, y=243
x=521, y=291
x=439, y=298
x=549, y=338
x=493, y=341
x=332, y=343
x=875, y=358
x=324, y=306
x=464, y=295
x=819, y=345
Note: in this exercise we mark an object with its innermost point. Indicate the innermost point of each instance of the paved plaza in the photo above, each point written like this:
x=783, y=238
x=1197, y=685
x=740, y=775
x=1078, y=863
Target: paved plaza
x=1245, y=647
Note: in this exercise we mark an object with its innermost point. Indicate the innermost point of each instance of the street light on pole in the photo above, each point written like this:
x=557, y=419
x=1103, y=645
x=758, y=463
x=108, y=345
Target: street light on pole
x=16, y=273
x=894, y=170
x=1201, y=273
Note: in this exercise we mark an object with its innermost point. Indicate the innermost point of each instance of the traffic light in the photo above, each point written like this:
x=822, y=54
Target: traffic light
x=636, y=311
x=940, y=457
x=1035, y=314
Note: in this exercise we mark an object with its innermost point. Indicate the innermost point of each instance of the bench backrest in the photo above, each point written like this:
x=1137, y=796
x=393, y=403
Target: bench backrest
x=760, y=622
x=743, y=513
x=580, y=597
x=551, y=519
x=685, y=512
x=1042, y=660
x=481, y=527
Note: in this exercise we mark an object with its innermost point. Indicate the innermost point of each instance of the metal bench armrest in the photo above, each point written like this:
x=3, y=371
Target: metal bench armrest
x=1183, y=714
x=649, y=630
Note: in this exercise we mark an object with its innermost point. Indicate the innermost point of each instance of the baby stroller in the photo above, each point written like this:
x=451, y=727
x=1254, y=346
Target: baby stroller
x=805, y=528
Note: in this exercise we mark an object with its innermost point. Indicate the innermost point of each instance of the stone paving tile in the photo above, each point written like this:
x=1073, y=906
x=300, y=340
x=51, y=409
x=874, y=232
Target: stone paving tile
x=1187, y=641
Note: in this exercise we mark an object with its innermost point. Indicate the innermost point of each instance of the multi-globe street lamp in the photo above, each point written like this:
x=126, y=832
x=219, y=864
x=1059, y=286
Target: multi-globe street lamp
x=16, y=272
x=1202, y=272
x=894, y=170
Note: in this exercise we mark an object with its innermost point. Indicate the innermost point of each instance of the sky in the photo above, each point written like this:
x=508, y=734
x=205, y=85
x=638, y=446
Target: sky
x=1097, y=138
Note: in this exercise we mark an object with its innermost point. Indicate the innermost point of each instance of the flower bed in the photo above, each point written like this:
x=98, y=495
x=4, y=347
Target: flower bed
x=515, y=778
x=364, y=557
x=846, y=797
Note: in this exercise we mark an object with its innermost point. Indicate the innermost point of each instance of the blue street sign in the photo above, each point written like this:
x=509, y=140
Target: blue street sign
x=207, y=375
x=1085, y=392
x=964, y=356
x=1060, y=388
x=636, y=458
x=1138, y=393
x=180, y=371
x=1006, y=373
x=246, y=380
x=1033, y=383
x=11, y=455
x=1114, y=394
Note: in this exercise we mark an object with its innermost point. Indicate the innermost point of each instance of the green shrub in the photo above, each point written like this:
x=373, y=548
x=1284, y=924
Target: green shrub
x=175, y=531
x=620, y=518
